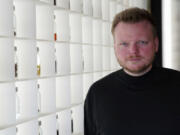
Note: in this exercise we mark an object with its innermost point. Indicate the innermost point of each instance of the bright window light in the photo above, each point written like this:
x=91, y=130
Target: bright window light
x=167, y=33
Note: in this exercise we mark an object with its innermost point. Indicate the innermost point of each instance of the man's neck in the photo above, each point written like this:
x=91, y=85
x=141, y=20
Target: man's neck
x=138, y=74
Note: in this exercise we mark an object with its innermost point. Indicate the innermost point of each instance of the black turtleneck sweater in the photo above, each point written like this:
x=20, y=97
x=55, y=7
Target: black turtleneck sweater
x=120, y=104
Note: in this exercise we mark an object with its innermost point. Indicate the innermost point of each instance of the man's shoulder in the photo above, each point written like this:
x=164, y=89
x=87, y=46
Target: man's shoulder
x=168, y=71
x=108, y=78
x=106, y=81
x=168, y=75
x=103, y=85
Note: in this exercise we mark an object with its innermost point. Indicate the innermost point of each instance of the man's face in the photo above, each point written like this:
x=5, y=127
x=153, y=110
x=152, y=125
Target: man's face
x=135, y=46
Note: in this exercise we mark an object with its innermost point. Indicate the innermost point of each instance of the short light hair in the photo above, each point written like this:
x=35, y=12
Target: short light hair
x=134, y=15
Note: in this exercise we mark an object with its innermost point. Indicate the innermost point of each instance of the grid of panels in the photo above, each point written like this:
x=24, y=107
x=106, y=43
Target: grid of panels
x=51, y=51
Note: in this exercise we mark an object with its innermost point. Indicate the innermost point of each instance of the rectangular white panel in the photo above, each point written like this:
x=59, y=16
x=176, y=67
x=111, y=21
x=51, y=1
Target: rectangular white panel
x=7, y=104
x=6, y=59
x=63, y=95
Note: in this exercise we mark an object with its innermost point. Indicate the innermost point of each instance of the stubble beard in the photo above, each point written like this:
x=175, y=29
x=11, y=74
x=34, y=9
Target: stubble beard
x=142, y=68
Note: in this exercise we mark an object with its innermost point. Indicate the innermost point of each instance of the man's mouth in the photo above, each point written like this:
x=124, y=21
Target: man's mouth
x=134, y=58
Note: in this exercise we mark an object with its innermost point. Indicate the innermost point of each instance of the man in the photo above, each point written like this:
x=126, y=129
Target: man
x=139, y=99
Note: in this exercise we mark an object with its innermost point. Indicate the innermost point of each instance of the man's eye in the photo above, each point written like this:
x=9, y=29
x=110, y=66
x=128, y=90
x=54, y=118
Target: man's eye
x=124, y=44
x=141, y=42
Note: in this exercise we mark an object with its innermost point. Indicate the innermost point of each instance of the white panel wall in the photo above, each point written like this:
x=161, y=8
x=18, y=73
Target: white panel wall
x=51, y=52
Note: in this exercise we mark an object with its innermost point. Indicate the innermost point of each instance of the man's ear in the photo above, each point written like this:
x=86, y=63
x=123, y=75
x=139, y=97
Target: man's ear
x=156, y=42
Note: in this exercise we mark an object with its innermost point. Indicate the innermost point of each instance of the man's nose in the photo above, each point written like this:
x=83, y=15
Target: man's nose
x=133, y=48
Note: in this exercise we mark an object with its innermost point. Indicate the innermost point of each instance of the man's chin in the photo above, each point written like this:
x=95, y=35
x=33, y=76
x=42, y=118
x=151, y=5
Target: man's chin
x=137, y=70
x=134, y=71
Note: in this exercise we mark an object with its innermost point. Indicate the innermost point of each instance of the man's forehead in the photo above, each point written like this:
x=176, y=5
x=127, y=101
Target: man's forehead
x=123, y=27
x=140, y=23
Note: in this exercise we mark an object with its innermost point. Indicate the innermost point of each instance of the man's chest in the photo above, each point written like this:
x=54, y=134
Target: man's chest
x=137, y=114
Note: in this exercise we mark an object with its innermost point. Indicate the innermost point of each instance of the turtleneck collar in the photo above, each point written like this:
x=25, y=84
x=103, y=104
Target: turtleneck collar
x=138, y=74
x=134, y=78
x=137, y=82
